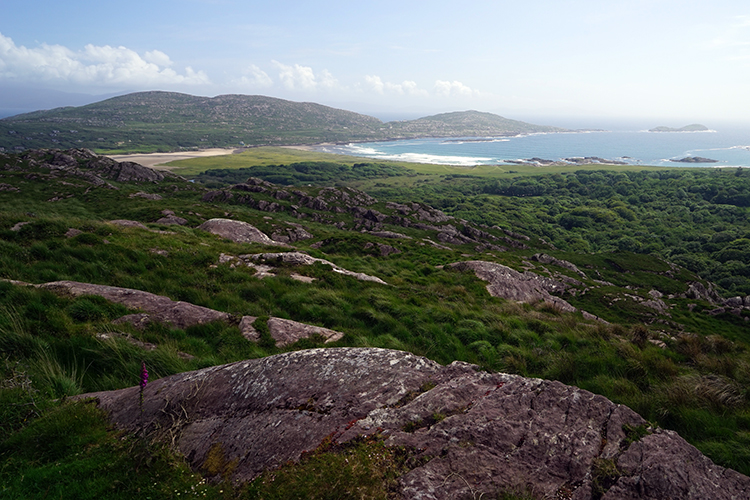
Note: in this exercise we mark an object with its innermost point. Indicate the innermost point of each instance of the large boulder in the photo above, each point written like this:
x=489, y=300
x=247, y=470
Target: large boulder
x=494, y=431
x=286, y=332
x=237, y=231
x=510, y=284
x=158, y=307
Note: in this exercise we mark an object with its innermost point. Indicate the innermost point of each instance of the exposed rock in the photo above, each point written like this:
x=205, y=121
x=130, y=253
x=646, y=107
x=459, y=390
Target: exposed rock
x=291, y=234
x=698, y=291
x=146, y=196
x=658, y=305
x=368, y=214
x=510, y=284
x=128, y=223
x=385, y=250
x=499, y=431
x=237, y=231
x=138, y=321
x=126, y=171
x=548, y=259
x=159, y=308
x=18, y=225
x=389, y=234
x=734, y=302
x=172, y=220
x=302, y=259
x=286, y=332
x=8, y=187
x=72, y=232
x=248, y=330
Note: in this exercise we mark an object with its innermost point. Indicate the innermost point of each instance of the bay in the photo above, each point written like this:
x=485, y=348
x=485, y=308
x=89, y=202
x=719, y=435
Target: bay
x=730, y=147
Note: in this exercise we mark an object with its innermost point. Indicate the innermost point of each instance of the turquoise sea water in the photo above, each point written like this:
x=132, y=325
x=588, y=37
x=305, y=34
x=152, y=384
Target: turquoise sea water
x=730, y=147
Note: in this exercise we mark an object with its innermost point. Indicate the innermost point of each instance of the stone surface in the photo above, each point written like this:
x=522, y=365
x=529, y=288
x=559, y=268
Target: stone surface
x=510, y=284
x=286, y=332
x=237, y=231
x=128, y=223
x=495, y=431
x=172, y=220
x=146, y=196
x=157, y=307
x=302, y=259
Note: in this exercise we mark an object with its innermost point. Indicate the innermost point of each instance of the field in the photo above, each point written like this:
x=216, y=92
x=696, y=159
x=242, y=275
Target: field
x=630, y=231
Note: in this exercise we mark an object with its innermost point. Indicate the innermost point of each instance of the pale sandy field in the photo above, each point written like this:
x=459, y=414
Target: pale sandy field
x=157, y=160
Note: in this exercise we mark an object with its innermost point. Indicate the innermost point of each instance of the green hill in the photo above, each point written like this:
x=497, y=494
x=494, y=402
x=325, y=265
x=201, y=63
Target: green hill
x=168, y=121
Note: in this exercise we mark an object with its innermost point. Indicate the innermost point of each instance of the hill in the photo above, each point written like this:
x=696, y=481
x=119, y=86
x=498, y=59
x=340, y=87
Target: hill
x=108, y=268
x=695, y=127
x=167, y=121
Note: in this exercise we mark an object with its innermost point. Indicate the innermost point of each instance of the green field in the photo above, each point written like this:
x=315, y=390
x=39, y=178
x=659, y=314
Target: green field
x=631, y=231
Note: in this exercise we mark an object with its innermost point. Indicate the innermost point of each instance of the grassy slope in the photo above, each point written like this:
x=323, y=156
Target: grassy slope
x=50, y=346
x=278, y=155
x=168, y=121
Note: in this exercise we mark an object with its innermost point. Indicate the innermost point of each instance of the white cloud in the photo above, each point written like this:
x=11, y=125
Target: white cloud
x=375, y=83
x=407, y=87
x=300, y=77
x=327, y=80
x=254, y=77
x=158, y=57
x=95, y=65
x=451, y=89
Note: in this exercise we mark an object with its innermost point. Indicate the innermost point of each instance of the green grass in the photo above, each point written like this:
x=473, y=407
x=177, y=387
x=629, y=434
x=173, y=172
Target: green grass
x=269, y=155
x=52, y=347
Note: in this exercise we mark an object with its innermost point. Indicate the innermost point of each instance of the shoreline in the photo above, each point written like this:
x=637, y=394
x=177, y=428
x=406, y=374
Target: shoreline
x=157, y=161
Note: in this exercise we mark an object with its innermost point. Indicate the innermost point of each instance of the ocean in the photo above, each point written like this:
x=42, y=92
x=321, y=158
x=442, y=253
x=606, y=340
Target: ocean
x=730, y=147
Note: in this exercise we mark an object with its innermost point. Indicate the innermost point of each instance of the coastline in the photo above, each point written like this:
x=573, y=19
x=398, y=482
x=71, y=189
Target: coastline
x=157, y=160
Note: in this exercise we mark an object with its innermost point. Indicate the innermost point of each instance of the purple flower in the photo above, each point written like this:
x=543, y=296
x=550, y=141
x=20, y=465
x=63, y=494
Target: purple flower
x=144, y=375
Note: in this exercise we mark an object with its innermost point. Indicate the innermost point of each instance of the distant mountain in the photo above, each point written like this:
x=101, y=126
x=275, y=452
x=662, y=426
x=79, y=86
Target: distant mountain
x=469, y=123
x=168, y=121
x=695, y=127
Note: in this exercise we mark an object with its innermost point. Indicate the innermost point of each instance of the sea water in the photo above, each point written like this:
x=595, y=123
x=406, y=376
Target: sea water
x=730, y=147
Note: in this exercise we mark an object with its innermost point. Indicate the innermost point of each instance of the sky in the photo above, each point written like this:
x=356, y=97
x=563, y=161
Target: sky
x=666, y=62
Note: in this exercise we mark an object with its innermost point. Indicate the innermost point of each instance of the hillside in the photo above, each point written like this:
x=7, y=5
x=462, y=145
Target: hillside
x=695, y=127
x=167, y=121
x=108, y=268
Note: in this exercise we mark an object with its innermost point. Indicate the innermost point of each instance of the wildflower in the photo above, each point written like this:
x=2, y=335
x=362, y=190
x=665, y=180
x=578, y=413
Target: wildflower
x=144, y=375
x=144, y=382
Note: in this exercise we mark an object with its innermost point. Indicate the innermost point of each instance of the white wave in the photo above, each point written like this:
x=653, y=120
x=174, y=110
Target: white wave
x=362, y=150
x=463, y=161
x=488, y=141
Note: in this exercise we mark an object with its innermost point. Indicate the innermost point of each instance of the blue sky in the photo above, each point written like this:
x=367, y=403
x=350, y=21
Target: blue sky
x=669, y=61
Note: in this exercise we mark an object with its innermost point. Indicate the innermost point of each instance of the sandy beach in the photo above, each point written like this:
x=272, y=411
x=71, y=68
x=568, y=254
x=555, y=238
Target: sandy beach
x=157, y=160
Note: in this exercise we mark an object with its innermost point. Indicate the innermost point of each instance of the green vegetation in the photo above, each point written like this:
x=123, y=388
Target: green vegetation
x=166, y=121
x=318, y=173
x=630, y=233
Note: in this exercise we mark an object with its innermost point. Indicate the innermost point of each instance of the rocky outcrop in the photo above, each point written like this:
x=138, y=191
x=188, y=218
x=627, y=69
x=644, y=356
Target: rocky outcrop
x=291, y=234
x=146, y=196
x=128, y=223
x=237, y=231
x=286, y=332
x=302, y=259
x=510, y=284
x=87, y=165
x=548, y=259
x=157, y=307
x=472, y=433
x=170, y=218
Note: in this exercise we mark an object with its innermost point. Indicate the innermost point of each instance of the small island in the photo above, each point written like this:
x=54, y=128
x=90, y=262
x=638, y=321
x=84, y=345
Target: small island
x=695, y=159
x=695, y=127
